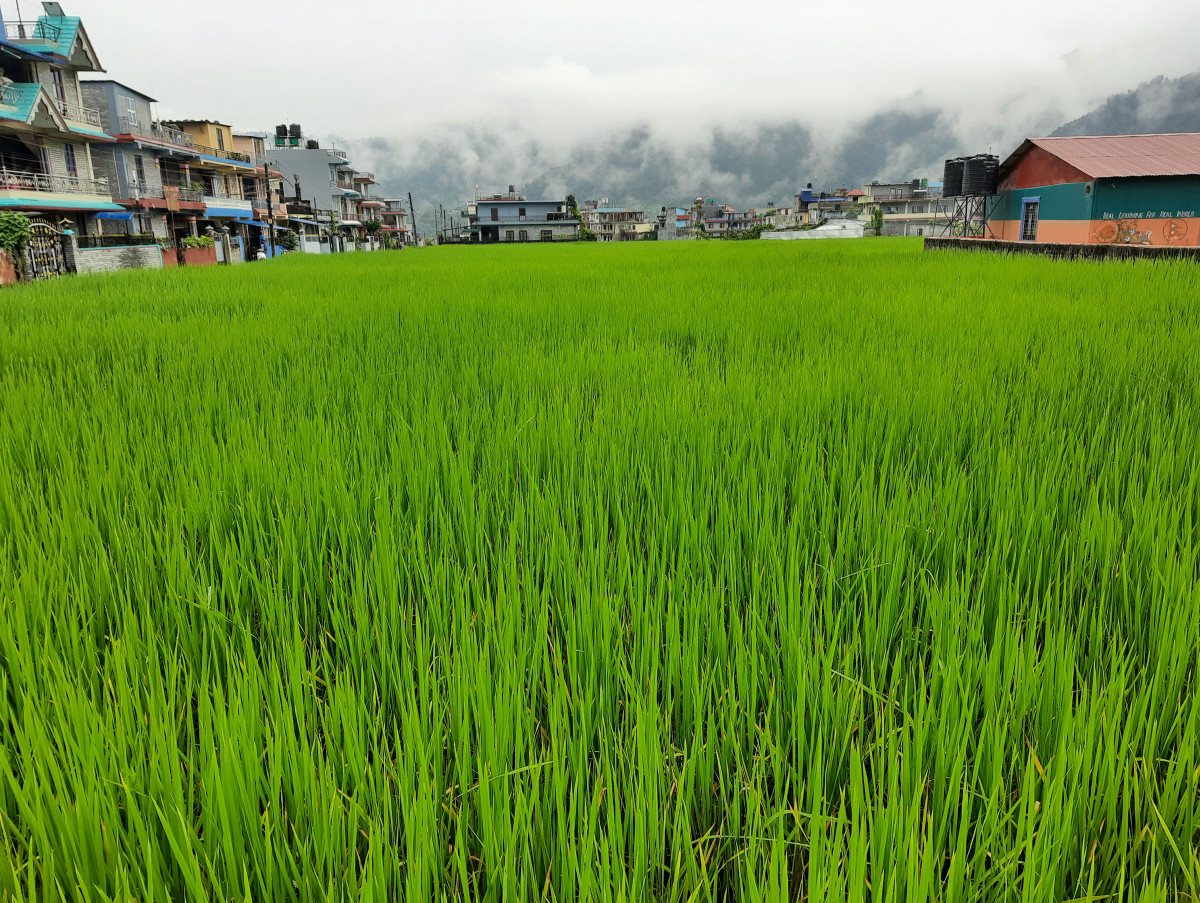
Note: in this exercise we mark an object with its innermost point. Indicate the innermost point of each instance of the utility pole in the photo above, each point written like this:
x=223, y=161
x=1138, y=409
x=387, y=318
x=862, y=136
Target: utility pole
x=270, y=206
x=413, y=211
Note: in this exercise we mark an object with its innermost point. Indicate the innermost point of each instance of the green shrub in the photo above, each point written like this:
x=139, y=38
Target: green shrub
x=201, y=241
x=15, y=230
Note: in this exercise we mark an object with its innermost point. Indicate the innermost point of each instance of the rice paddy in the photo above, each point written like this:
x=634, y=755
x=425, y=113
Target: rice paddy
x=679, y=571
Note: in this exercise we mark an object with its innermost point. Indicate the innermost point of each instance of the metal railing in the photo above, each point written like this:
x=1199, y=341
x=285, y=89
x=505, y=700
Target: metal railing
x=76, y=113
x=41, y=30
x=187, y=195
x=364, y=177
x=337, y=153
x=225, y=154
x=348, y=186
x=8, y=96
x=11, y=180
x=155, y=130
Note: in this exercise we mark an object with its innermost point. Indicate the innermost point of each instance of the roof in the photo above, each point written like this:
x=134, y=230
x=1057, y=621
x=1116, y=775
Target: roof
x=856, y=193
x=113, y=81
x=1119, y=156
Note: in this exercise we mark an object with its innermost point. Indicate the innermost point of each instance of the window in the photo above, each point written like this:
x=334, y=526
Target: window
x=220, y=139
x=521, y=212
x=509, y=235
x=495, y=214
x=547, y=235
x=920, y=232
x=524, y=236
x=140, y=168
x=1029, y=219
x=60, y=90
x=917, y=208
x=131, y=114
x=72, y=163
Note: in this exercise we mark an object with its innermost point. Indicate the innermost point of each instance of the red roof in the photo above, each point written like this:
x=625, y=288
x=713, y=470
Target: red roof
x=856, y=194
x=1120, y=156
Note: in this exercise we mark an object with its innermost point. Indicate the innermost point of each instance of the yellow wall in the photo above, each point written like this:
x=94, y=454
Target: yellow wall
x=205, y=133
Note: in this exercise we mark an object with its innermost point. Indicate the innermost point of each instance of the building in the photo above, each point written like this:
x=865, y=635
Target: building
x=1132, y=189
x=506, y=218
x=615, y=223
x=394, y=217
x=839, y=228
x=264, y=189
x=909, y=208
x=813, y=208
x=47, y=131
x=320, y=192
x=217, y=172
x=674, y=224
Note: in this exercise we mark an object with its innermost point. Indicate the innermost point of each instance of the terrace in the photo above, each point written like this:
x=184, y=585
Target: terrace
x=156, y=131
x=18, y=181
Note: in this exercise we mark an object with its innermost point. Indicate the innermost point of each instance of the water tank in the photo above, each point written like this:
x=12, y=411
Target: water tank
x=294, y=131
x=313, y=145
x=952, y=179
x=980, y=175
x=281, y=131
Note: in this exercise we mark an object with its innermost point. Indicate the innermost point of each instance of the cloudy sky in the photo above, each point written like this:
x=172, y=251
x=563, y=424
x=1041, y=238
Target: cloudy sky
x=565, y=72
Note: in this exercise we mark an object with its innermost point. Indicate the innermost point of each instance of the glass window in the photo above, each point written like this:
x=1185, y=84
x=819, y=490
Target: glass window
x=524, y=235
x=547, y=235
x=220, y=139
x=1029, y=221
x=509, y=235
x=131, y=114
x=60, y=90
x=72, y=163
x=140, y=168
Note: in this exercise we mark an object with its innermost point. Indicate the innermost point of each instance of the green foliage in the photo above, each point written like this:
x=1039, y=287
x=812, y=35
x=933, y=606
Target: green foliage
x=373, y=226
x=753, y=233
x=289, y=241
x=15, y=231
x=199, y=241
x=586, y=233
x=877, y=220
x=791, y=571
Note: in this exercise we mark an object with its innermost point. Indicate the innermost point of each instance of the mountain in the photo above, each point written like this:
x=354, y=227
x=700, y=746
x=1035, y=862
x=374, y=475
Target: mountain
x=1159, y=105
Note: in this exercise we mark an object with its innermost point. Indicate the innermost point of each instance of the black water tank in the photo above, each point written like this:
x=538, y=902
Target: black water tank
x=952, y=178
x=980, y=175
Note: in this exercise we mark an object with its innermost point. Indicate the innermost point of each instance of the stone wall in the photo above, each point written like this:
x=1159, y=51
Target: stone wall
x=1065, y=252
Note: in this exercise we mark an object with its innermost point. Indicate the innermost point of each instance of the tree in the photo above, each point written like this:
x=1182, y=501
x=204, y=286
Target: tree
x=373, y=227
x=877, y=220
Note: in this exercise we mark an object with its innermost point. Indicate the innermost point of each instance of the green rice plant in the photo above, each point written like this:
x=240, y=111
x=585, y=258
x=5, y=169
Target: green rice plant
x=676, y=571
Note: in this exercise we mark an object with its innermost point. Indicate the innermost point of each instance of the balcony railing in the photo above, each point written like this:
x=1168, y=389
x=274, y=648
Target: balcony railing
x=348, y=186
x=225, y=154
x=8, y=96
x=158, y=192
x=155, y=130
x=41, y=30
x=76, y=113
x=531, y=218
x=11, y=180
x=364, y=177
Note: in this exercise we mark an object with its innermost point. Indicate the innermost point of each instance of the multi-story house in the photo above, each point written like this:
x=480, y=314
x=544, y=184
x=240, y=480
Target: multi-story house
x=613, y=223
x=264, y=189
x=320, y=193
x=511, y=217
x=217, y=172
x=47, y=132
x=909, y=208
x=146, y=167
x=394, y=217
x=674, y=223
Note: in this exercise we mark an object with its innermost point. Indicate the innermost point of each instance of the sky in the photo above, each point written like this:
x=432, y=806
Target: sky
x=566, y=72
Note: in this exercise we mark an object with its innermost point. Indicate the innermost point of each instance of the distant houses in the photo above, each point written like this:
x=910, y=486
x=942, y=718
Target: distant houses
x=511, y=218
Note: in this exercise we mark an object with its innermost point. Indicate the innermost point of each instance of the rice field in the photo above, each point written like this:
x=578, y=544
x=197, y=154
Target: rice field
x=756, y=571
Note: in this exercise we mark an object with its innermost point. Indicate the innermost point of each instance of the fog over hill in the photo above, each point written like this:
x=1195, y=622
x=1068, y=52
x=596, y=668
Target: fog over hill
x=749, y=164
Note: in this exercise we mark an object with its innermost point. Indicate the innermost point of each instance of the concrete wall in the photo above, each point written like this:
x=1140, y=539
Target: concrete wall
x=109, y=260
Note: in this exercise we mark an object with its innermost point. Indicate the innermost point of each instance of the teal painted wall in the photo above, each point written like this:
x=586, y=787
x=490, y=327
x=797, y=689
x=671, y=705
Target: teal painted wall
x=1173, y=197
x=1058, y=202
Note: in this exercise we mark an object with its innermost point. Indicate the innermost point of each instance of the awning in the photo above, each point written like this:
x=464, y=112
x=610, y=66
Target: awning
x=226, y=212
x=28, y=202
x=350, y=222
x=304, y=222
x=253, y=222
x=112, y=214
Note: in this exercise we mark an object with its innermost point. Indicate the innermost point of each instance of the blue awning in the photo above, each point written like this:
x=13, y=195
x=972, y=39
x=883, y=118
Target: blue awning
x=113, y=214
x=306, y=222
x=226, y=212
x=253, y=222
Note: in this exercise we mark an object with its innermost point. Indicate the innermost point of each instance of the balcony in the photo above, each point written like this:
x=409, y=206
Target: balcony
x=365, y=177
x=237, y=156
x=83, y=115
x=531, y=218
x=12, y=180
x=155, y=130
x=41, y=30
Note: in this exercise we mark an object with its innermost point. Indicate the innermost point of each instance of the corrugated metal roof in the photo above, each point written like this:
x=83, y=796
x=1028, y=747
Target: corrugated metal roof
x=1126, y=156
